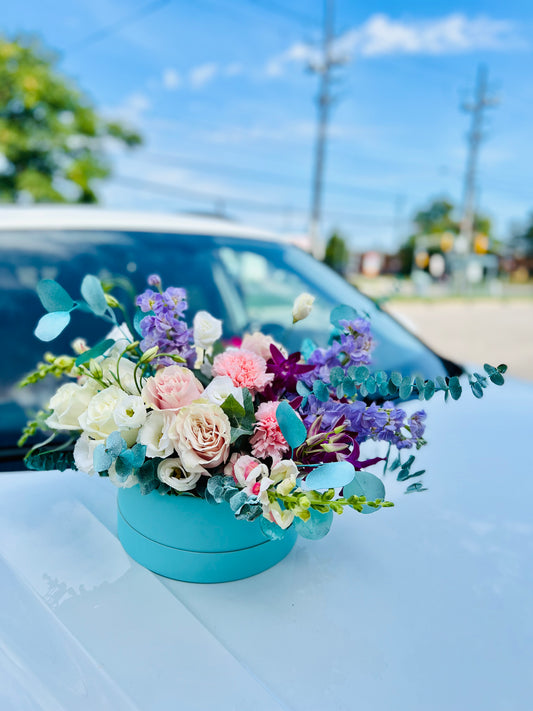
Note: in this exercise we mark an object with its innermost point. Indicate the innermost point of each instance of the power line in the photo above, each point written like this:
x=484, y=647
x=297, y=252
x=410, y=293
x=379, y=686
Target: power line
x=243, y=203
x=119, y=25
x=285, y=12
x=264, y=176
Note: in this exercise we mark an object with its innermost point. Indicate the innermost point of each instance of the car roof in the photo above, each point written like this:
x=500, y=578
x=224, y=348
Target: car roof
x=73, y=217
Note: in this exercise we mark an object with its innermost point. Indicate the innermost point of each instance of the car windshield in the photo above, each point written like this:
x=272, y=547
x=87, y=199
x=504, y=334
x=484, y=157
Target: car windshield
x=250, y=284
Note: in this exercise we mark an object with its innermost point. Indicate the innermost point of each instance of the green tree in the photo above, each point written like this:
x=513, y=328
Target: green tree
x=437, y=218
x=337, y=254
x=51, y=138
x=522, y=238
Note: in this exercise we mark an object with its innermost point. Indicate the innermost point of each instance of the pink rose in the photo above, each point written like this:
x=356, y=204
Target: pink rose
x=171, y=388
x=246, y=369
x=259, y=343
x=201, y=435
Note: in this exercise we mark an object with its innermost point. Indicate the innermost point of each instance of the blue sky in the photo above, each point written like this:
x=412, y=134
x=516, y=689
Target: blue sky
x=219, y=88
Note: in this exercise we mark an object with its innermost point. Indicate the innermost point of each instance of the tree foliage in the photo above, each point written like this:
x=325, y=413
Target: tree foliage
x=439, y=217
x=522, y=238
x=51, y=138
x=337, y=254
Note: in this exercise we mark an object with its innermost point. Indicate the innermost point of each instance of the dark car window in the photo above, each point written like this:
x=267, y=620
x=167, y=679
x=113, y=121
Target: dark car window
x=250, y=284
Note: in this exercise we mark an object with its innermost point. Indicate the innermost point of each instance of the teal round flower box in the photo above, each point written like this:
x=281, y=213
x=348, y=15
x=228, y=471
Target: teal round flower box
x=186, y=538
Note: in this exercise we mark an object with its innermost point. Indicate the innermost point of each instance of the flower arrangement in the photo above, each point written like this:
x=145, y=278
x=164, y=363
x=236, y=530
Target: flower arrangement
x=278, y=436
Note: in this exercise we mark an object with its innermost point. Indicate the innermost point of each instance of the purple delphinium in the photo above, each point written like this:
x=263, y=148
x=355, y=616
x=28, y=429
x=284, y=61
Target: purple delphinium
x=154, y=280
x=163, y=327
x=353, y=347
x=378, y=422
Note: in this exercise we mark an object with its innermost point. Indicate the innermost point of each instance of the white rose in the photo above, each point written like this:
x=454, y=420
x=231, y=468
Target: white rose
x=68, y=403
x=171, y=472
x=220, y=388
x=201, y=433
x=206, y=329
x=98, y=420
x=130, y=412
x=84, y=452
x=303, y=305
x=154, y=434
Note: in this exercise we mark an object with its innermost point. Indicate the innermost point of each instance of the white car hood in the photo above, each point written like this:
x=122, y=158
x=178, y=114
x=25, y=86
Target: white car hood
x=426, y=606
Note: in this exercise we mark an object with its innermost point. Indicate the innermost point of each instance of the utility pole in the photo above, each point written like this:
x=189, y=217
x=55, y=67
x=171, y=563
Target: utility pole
x=324, y=69
x=477, y=108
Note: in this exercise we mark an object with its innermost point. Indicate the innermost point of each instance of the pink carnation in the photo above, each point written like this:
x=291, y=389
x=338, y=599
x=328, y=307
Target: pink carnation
x=267, y=441
x=246, y=369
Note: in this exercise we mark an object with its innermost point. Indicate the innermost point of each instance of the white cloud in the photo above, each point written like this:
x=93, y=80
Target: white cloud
x=233, y=69
x=171, y=79
x=132, y=108
x=202, y=74
x=382, y=35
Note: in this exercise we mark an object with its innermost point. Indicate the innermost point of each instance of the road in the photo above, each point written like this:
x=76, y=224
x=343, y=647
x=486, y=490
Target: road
x=476, y=331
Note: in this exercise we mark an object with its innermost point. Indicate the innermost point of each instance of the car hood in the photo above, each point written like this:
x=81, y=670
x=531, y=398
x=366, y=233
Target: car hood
x=423, y=606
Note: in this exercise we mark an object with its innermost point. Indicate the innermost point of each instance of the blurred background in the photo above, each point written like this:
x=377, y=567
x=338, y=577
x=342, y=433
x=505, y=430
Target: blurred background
x=393, y=142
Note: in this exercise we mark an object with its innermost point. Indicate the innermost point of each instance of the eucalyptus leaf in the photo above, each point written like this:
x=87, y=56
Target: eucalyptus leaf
x=92, y=292
x=290, y=424
x=53, y=297
x=317, y=526
x=95, y=351
x=331, y=475
x=342, y=313
x=102, y=460
x=406, y=387
x=115, y=444
x=455, y=388
x=417, y=486
x=271, y=530
x=51, y=325
x=368, y=485
x=320, y=391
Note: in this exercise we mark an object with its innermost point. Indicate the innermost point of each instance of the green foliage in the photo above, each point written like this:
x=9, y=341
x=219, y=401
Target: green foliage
x=60, y=459
x=242, y=419
x=337, y=254
x=396, y=386
x=439, y=217
x=222, y=488
x=50, y=134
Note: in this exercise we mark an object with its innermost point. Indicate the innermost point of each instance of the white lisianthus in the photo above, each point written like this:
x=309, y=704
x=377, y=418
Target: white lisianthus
x=130, y=412
x=201, y=434
x=98, y=420
x=121, y=333
x=126, y=483
x=154, y=434
x=206, y=329
x=84, y=452
x=68, y=403
x=303, y=305
x=171, y=472
x=284, y=474
x=220, y=388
